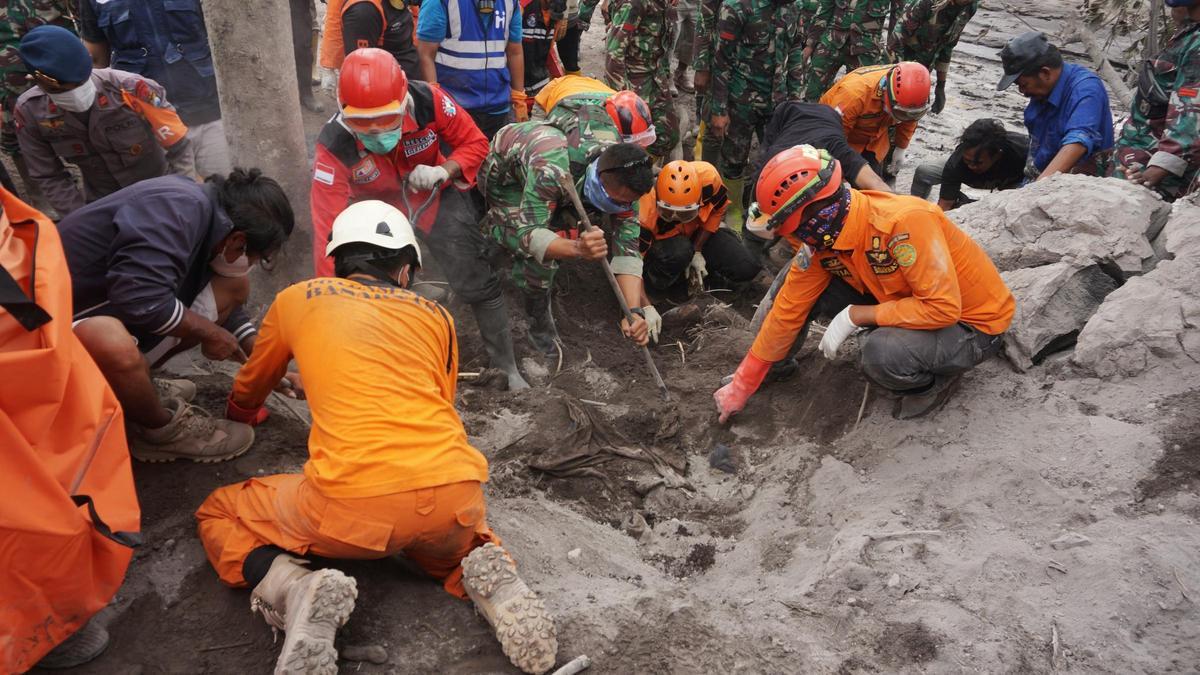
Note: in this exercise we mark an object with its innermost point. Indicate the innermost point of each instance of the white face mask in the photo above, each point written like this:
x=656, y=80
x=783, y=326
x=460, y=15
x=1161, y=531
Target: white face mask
x=238, y=268
x=78, y=99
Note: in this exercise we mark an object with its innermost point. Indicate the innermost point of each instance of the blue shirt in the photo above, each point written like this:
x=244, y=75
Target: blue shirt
x=431, y=23
x=1076, y=111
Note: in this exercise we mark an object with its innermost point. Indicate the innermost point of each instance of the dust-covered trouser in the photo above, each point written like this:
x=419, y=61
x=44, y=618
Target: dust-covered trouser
x=435, y=527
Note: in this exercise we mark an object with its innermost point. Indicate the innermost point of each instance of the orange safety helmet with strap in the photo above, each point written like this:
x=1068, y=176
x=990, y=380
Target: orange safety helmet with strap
x=70, y=516
x=789, y=182
x=678, y=191
x=632, y=117
x=907, y=91
x=372, y=88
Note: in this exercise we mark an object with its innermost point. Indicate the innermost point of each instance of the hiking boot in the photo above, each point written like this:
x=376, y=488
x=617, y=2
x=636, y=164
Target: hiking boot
x=913, y=405
x=542, y=331
x=309, y=607
x=683, y=83
x=182, y=389
x=523, y=626
x=83, y=646
x=497, y=340
x=191, y=434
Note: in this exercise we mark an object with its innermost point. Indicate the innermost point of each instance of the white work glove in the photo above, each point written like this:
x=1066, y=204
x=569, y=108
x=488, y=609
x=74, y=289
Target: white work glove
x=893, y=166
x=698, y=268
x=425, y=177
x=329, y=80
x=653, y=322
x=836, y=333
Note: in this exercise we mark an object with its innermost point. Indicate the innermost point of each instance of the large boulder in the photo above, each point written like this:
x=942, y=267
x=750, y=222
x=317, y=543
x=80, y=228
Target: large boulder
x=1105, y=221
x=1053, y=303
x=1152, y=321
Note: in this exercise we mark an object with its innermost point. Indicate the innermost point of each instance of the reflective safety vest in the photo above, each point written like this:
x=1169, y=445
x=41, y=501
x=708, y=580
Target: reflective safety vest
x=471, y=64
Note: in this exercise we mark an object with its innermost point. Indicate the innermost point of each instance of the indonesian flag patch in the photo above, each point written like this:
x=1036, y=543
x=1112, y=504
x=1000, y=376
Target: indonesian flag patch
x=323, y=173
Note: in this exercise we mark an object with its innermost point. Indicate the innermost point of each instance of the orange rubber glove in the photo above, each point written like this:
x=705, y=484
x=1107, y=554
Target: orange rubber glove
x=253, y=416
x=746, y=380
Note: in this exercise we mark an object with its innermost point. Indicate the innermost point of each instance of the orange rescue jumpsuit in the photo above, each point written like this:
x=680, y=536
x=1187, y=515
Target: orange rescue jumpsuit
x=858, y=98
x=925, y=272
x=390, y=469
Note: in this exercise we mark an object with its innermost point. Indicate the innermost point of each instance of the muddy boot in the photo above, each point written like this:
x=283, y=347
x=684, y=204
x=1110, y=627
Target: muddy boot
x=309, y=101
x=191, y=434
x=542, y=331
x=83, y=646
x=309, y=607
x=492, y=318
x=683, y=83
x=523, y=626
x=918, y=404
x=181, y=389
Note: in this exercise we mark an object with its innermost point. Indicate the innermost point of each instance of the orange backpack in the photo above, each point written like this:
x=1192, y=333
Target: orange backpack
x=69, y=516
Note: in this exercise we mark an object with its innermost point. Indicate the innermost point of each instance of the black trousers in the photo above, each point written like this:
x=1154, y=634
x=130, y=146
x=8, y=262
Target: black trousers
x=460, y=248
x=727, y=260
x=489, y=124
x=568, y=49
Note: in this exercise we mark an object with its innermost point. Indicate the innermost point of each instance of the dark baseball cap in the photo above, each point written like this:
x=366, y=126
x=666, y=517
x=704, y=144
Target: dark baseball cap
x=1020, y=55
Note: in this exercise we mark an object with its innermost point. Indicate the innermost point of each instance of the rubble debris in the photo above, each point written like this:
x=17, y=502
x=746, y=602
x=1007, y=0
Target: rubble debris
x=721, y=459
x=1070, y=540
x=1053, y=304
x=370, y=653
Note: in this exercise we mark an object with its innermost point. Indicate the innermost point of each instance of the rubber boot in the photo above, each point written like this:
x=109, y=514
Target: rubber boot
x=542, y=331
x=683, y=83
x=82, y=646
x=309, y=607
x=492, y=317
x=733, y=217
x=523, y=626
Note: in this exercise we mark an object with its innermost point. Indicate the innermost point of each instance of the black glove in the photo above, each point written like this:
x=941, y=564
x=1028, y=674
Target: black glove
x=939, y=97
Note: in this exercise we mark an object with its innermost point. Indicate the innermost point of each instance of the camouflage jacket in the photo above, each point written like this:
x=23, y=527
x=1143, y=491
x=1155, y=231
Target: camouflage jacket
x=640, y=38
x=859, y=21
x=928, y=31
x=1165, y=119
x=521, y=174
x=18, y=17
x=758, y=59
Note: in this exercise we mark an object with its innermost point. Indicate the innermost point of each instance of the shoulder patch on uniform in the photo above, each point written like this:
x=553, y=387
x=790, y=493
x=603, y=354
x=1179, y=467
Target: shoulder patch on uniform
x=448, y=107
x=906, y=254
x=145, y=92
x=896, y=239
x=323, y=173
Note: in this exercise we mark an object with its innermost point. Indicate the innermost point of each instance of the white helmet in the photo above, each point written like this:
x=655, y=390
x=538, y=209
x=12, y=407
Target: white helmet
x=373, y=222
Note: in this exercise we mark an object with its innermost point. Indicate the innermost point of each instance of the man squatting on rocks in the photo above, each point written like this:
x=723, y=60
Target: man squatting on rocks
x=389, y=470
x=932, y=301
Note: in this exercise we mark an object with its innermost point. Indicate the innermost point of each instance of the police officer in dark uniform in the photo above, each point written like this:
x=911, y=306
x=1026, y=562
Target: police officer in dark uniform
x=168, y=43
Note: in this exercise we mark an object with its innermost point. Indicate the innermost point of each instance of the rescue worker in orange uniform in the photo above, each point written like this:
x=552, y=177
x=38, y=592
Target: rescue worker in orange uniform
x=682, y=233
x=931, y=300
x=877, y=104
x=389, y=470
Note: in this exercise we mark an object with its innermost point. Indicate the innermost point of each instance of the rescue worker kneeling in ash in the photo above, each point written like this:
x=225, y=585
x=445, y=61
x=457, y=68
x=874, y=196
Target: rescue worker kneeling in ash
x=931, y=299
x=389, y=469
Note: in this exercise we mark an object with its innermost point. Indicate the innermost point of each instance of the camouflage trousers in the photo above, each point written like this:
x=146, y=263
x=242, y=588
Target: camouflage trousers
x=655, y=89
x=744, y=122
x=709, y=145
x=527, y=273
x=685, y=40
x=828, y=57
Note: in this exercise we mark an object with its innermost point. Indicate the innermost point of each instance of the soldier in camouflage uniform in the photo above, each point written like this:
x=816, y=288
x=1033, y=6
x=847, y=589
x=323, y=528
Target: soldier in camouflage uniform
x=927, y=32
x=845, y=33
x=685, y=43
x=637, y=50
x=18, y=17
x=1159, y=146
x=757, y=64
x=532, y=217
x=708, y=148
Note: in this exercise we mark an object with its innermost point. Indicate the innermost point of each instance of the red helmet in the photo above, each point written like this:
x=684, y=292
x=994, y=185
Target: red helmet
x=790, y=181
x=372, y=86
x=632, y=117
x=907, y=96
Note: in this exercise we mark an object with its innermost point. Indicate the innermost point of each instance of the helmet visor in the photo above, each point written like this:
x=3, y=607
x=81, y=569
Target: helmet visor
x=675, y=214
x=643, y=138
x=903, y=114
x=375, y=120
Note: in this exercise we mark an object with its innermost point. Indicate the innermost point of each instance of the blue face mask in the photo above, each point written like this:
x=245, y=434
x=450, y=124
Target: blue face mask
x=593, y=191
x=380, y=144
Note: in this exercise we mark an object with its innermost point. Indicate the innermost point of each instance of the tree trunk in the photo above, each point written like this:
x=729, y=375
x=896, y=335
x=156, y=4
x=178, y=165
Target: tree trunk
x=260, y=103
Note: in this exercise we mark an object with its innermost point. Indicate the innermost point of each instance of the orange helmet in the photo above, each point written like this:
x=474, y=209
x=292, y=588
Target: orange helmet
x=372, y=89
x=632, y=117
x=907, y=96
x=790, y=181
x=678, y=191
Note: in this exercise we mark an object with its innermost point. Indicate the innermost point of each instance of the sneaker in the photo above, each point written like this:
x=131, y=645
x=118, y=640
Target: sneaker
x=83, y=646
x=184, y=389
x=523, y=626
x=191, y=434
x=309, y=607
